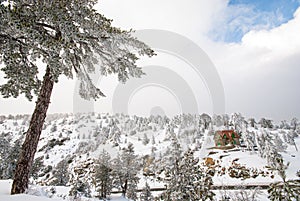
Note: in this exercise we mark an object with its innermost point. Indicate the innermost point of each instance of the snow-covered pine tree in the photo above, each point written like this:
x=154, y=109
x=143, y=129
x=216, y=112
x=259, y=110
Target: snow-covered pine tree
x=205, y=120
x=82, y=178
x=145, y=139
x=170, y=134
x=266, y=123
x=53, y=128
x=8, y=156
x=252, y=122
x=103, y=175
x=125, y=170
x=249, y=140
x=37, y=167
x=284, y=125
x=114, y=132
x=79, y=189
x=238, y=122
x=270, y=150
x=290, y=138
x=153, y=140
x=61, y=173
x=146, y=193
x=190, y=181
x=5, y=148
x=196, y=181
x=226, y=119
x=218, y=120
x=171, y=169
x=264, y=143
x=279, y=144
x=68, y=36
x=294, y=123
x=285, y=190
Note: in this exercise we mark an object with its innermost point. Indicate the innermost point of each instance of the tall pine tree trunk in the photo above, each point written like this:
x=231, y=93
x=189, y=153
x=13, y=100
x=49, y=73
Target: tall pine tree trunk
x=22, y=172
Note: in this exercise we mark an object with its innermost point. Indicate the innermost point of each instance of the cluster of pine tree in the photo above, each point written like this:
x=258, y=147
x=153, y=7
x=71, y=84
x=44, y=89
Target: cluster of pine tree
x=106, y=173
x=185, y=178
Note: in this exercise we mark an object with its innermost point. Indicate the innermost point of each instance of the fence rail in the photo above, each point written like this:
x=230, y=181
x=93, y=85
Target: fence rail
x=214, y=187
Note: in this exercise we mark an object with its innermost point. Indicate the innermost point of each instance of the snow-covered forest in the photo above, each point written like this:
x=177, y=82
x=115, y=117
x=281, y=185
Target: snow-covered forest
x=103, y=156
x=98, y=156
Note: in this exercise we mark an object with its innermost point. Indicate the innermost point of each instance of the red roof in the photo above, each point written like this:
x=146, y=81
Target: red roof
x=228, y=134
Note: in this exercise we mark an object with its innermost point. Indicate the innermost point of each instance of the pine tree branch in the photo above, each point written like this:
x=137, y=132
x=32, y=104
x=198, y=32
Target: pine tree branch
x=21, y=43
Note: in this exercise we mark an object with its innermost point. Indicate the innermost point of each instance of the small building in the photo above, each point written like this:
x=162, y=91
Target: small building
x=226, y=137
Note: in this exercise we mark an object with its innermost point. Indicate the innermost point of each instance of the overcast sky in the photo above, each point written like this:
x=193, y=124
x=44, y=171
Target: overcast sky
x=254, y=46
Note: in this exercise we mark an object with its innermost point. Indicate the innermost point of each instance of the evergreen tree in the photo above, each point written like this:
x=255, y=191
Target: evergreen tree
x=172, y=171
x=53, y=128
x=266, y=123
x=153, y=140
x=284, y=125
x=82, y=178
x=8, y=157
x=191, y=181
x=290, y=138
x=249, y=140
x=252, y=122
x=4, y=146
x=37, y=167
x=205, y=120
x=68, y=36
x=146, y=193
x=79, y=189
x=61, y=173
x=125, y=170
x=114, y=132
x=218, y=120
x=146, y=140
x=280, y=146
x=103, y=175
x=238, y=121
x=226, y=119
x=294, y=123
x=285, y=190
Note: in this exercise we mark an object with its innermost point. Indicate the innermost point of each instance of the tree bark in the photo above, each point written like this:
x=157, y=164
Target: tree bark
x=29, y=147
x=124, y=190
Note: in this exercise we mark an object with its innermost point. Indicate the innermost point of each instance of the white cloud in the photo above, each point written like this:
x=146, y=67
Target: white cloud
x=191, y=17
x=283, y=40
x=260, y=74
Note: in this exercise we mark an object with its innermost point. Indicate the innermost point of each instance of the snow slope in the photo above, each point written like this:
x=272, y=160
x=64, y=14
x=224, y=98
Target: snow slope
x=83, y=137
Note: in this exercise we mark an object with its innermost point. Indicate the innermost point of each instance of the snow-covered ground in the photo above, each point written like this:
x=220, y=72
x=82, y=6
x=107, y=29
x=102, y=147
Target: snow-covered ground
x=5, y=194
x=38, y=193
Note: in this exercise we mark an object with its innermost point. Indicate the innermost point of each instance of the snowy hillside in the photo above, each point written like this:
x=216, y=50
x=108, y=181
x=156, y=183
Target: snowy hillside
x=79, y=154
